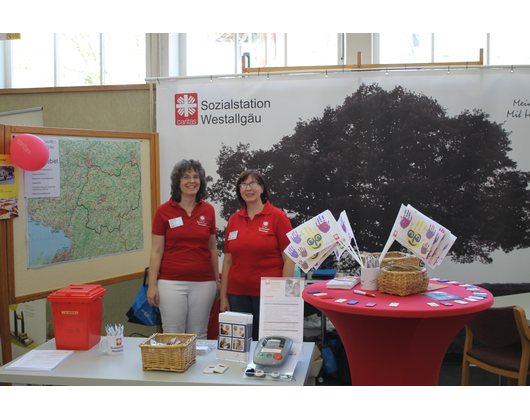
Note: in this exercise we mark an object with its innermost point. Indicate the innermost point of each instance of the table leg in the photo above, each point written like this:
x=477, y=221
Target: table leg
x=396, y=351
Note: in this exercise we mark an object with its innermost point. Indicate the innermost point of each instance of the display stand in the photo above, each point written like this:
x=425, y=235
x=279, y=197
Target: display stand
x=18, y=284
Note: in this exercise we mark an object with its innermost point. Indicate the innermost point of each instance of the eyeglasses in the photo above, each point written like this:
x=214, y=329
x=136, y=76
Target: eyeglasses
x=251, y=185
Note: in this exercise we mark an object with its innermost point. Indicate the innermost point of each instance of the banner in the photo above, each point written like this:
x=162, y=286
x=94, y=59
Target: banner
x=217, y=119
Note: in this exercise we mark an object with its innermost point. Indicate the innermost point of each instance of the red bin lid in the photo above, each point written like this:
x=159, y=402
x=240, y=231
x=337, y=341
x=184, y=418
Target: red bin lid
x=78, y=292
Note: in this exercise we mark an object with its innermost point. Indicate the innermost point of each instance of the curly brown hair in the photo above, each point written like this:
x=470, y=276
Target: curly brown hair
x=179, y=170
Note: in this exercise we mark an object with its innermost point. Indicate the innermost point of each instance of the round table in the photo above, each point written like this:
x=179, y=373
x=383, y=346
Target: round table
x=402, y=345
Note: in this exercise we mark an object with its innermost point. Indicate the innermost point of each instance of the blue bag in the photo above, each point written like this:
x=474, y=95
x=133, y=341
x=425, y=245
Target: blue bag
x=330, y=362
x=141, y=312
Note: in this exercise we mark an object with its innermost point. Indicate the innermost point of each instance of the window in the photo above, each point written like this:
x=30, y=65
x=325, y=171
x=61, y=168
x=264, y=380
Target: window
x=32, y=61
x=80, y=59
x=507, y=48
x=219, y=53
x=210, y=53
x=312, y=49
x=77, y=59
x=404, y=48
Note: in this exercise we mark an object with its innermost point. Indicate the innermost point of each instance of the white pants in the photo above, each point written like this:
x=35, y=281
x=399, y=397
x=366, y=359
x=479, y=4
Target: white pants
x=185, y=306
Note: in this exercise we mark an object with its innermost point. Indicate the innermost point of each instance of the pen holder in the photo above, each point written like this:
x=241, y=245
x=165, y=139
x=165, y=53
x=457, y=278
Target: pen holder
x=114, y=345
x=369, y=277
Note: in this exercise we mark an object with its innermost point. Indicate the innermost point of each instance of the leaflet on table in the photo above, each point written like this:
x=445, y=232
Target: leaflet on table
x=235, y=336
x=441, y=296
x=40, y=360
x=282, y=308
x=204, y=347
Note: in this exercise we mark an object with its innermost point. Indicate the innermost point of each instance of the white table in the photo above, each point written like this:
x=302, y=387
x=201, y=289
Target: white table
x=92, y=368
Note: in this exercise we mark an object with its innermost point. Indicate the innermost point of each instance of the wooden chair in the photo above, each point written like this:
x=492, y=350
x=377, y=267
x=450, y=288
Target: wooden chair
x=505, y=334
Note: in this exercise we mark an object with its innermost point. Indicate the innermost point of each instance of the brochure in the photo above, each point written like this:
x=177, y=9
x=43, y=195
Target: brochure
x=235, y=336
x=282, y=308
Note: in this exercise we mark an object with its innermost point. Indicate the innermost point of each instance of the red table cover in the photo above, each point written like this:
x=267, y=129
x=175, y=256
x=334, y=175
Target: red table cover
x=403, y=345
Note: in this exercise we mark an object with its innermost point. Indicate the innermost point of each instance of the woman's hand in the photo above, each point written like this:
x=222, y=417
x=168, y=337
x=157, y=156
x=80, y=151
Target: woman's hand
x=152, y=295
x=225, y=304
x=217, y=290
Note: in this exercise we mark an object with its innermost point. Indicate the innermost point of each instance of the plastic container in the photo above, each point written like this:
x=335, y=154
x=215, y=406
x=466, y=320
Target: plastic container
x=77, y=311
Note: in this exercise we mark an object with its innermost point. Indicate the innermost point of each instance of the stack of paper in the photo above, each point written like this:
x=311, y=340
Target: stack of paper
x=40, y=360
x=204, y=347
x=342, y=283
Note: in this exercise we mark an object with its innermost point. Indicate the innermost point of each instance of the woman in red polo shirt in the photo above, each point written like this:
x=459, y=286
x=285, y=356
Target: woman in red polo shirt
x=184, y=267
x=254, y=242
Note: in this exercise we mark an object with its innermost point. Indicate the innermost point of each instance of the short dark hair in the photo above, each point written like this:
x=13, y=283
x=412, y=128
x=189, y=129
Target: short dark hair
x=259, y=178
x=178, y=172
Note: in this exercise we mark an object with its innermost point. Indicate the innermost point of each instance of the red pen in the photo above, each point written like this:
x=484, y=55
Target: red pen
x=360, y=292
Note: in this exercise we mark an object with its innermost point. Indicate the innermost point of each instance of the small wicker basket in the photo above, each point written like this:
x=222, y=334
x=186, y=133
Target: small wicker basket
x=403, y=280
x=170, y=358
x=395, y=257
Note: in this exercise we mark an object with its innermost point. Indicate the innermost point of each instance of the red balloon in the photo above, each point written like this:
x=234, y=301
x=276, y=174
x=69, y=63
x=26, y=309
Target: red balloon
x=29, y=152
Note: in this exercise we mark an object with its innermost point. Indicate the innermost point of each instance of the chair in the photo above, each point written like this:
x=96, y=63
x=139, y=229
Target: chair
x=505, y=336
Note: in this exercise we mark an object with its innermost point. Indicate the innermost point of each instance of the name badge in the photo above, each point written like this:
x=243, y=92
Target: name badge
x=232, y=235
x=176, y=222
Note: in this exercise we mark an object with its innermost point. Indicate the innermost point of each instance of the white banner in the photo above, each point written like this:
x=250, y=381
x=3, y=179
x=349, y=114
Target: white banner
x=198, y=117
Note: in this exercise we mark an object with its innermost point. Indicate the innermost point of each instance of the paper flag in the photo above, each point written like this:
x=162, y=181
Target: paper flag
x=315, y=235
x=344, y=224
x=422, y=236
x=313, y=241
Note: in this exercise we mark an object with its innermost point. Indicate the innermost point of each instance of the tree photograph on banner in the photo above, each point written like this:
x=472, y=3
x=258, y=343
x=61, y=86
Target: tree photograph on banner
x=382, y=148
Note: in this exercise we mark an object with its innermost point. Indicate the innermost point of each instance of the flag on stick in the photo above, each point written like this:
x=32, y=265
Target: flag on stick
x=313, y=241
x=422, y=236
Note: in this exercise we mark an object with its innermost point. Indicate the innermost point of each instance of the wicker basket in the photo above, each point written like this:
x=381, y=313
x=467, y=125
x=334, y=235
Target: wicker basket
x=403, y=280
x=395, y=257
x=171, y=358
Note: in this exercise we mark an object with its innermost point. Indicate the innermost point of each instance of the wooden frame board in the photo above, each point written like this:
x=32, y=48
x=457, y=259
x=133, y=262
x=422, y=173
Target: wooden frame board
x=19, y=284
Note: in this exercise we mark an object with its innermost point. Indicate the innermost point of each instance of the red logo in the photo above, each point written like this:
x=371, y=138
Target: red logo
x=186, y=109
x=118, y=341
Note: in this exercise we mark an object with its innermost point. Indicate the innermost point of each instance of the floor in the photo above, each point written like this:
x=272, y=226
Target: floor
x=450, y=375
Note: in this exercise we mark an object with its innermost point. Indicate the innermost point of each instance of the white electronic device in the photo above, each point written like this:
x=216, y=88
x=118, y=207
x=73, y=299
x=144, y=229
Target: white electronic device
x=272, y=351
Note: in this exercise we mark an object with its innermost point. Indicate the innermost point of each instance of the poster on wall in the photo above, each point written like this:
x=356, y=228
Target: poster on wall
x=8, y=188
x=451, y=144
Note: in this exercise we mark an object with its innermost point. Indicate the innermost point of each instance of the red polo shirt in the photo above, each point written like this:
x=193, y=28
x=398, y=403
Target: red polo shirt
x=256, y=246
x=186, y=253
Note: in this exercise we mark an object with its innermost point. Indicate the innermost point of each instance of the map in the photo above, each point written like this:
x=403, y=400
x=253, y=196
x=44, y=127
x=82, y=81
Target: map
x=99, y=210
